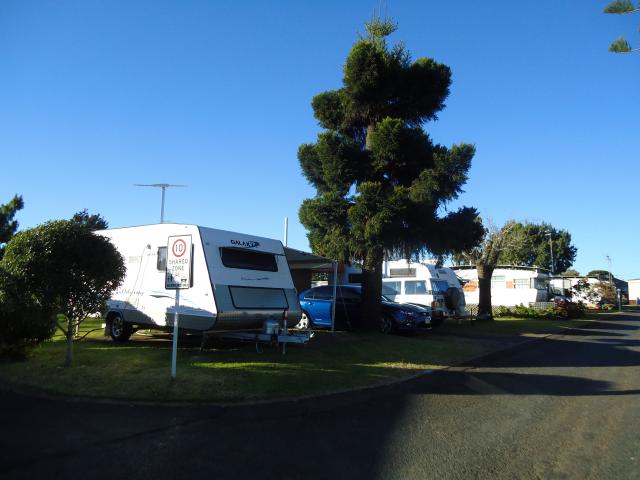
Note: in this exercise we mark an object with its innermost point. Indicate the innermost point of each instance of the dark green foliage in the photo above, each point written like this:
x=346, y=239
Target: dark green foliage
x=92, y=222
x=602, y=275
x=560, y=310
x=8, y=225
x=571, y=273
x=619, y=6
x=527, y=244
x=620, y=45
x=23, y=321
x=380, y=181
x=65, y=266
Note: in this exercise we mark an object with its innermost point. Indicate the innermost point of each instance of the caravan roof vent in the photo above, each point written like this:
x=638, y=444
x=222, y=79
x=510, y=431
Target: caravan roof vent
x=402, y=272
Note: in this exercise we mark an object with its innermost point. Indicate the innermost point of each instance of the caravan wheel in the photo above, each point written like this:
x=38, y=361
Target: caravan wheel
x=304, y=323
x=386, y=324
x=120, y=330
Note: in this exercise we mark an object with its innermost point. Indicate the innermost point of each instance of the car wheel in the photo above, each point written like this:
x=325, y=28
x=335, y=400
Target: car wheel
x=120, y=330
x=304, y=323
x=386, y=324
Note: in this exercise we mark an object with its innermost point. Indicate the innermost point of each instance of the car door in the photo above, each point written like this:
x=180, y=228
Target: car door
x=349, y=307
x=318, y=302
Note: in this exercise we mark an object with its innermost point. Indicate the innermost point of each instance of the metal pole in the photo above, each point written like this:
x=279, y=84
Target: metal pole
x=619, y=300
x=286, y=230
x=174, y=353
x=162, y=206
x=551, y=246
x=333, y=309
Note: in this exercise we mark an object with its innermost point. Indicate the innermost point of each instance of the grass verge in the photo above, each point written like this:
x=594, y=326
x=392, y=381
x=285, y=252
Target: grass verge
x=139, y=369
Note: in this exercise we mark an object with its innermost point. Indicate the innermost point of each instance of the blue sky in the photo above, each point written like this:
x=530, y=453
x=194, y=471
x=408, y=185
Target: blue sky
x=98, y=95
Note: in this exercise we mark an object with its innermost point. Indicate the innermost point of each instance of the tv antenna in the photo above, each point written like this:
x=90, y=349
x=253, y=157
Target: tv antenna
x=164, y=187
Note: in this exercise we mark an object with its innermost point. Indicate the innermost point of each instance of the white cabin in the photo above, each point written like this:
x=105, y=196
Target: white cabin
x=510, y=285
x=237, y=280
x=423, y=284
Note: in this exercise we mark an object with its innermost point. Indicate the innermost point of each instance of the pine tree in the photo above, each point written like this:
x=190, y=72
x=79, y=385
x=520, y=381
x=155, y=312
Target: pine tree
x=381, y=183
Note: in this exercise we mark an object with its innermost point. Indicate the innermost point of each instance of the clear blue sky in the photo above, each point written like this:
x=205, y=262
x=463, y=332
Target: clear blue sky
x=98, y=95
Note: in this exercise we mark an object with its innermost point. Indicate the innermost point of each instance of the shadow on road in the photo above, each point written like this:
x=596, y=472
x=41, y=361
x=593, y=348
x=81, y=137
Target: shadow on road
x=496, y=383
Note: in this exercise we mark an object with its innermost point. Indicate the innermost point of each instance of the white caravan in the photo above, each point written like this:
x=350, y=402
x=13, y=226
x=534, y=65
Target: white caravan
x=238, y=281
x=510, y=286
x=424, y=284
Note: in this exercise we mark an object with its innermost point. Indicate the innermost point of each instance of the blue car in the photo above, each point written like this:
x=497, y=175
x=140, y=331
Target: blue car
x=316, y=306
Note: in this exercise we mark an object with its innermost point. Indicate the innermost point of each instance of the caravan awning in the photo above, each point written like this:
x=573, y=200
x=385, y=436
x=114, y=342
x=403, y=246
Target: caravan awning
x=299, y=260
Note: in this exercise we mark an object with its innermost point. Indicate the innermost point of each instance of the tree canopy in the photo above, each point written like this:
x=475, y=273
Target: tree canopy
x=600, y=274
x=528, y=244
x=67, y=267
x=381, y=183
x=8, y=225
x=620, y=44
x=92, y=222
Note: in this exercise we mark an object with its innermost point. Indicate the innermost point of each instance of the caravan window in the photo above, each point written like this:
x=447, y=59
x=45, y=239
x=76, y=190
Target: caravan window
x=415, y=287
x=498, y=281
x=439, y=286
x=520, y=283
x=258, y=298
x=543, y=284
x=402, y=272
x=161, y=261
x=248, y=259
x=391, y=288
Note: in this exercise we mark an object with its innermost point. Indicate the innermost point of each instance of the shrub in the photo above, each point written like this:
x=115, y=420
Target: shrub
x=23, y=322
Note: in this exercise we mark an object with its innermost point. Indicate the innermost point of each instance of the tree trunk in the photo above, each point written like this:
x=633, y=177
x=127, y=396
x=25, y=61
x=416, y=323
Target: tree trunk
x=370, y=129
x=371, y=290
x=485, y=312
x=69, y=356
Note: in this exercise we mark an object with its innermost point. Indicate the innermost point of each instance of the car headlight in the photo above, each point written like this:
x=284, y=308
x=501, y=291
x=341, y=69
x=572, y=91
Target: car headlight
x=404, y=316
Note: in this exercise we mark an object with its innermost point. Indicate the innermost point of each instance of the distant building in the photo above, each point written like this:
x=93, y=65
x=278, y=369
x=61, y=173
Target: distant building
x=634, y=291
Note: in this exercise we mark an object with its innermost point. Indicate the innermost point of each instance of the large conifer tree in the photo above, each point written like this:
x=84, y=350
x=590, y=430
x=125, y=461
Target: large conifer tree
x=381, y=184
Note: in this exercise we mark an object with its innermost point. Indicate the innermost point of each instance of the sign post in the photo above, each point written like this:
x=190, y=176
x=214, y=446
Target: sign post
x=178, y=277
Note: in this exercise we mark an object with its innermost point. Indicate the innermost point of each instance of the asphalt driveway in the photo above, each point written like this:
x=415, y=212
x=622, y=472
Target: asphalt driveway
x=567, y=406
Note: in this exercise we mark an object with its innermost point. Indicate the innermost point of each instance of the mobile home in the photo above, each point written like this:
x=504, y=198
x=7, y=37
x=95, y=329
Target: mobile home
x=423, y=284
x=237, y=281
x=510, y=285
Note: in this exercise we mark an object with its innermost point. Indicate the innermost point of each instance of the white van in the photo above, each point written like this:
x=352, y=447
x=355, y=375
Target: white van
x=238, y=281
x=424, y=284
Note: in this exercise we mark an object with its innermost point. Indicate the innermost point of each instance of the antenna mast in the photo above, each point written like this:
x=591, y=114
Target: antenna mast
x=164, y=187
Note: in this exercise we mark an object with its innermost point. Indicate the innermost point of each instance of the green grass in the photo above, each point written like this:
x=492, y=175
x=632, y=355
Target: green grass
x=512, y=326
x=139, y=369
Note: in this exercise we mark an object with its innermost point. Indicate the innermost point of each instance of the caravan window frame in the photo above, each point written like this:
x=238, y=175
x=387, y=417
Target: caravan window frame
x=161, y=260
x=239, y=306
x=271, y=267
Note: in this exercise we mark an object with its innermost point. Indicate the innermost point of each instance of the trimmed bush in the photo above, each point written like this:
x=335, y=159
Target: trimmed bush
x=23, y=322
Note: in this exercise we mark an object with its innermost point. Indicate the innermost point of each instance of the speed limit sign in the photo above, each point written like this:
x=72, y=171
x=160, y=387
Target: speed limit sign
x=178, y=274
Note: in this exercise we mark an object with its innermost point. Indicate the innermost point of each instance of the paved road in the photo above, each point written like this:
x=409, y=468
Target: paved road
x=564, y=407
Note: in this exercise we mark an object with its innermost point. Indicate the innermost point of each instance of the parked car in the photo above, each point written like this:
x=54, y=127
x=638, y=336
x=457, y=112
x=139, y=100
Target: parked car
x=316, y=310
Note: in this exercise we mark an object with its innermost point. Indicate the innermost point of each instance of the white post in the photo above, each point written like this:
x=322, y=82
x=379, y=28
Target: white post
x=174, y=353
x=286, y=230
x=619, y=300
x=162, y=206
x=333, y=309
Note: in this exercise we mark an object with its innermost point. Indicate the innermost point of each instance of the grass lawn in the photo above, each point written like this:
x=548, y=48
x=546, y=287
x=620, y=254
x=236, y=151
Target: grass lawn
x=229, y=372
